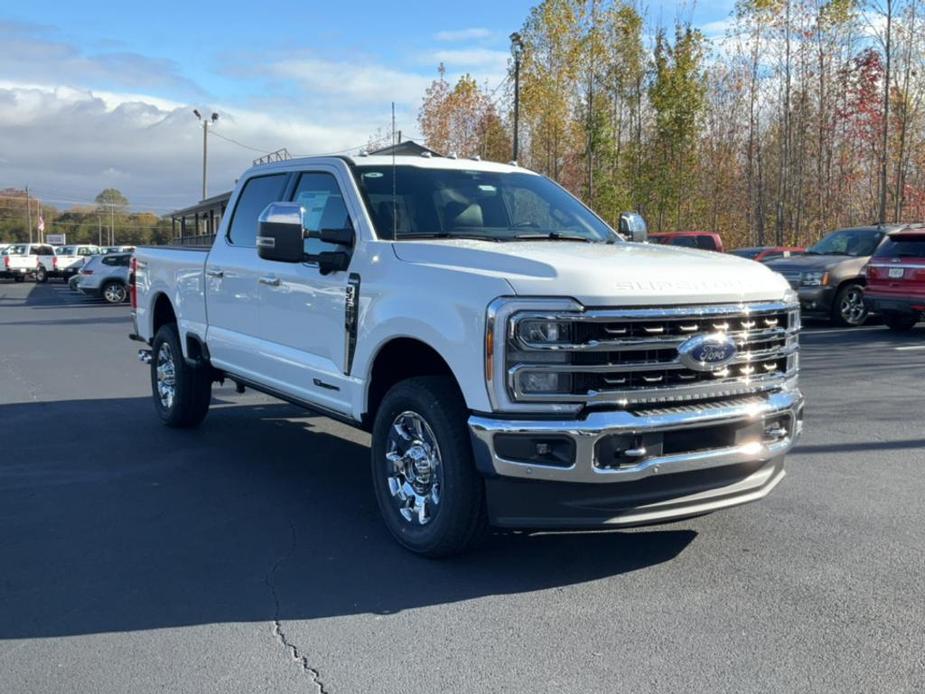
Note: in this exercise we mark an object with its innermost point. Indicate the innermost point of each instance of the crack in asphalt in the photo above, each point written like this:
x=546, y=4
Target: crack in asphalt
x=278, y=633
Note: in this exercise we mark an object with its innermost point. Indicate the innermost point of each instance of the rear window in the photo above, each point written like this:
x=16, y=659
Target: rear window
x=685, y=241
x=902, y=247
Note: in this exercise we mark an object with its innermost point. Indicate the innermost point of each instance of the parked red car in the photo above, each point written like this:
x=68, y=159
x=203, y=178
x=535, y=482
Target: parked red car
x=704, y=240
x=763, y=253
x=896, y=279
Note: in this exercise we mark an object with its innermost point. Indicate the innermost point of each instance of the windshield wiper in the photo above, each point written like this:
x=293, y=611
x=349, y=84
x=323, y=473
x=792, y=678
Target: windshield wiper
x=551, y=236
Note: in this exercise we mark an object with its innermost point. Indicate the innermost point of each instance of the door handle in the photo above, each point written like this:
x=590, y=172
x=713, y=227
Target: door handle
x=218, y=274
x=269, y=281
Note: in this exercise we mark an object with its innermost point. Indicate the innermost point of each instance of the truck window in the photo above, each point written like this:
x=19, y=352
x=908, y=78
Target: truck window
x=320, y=196
x=258, y=192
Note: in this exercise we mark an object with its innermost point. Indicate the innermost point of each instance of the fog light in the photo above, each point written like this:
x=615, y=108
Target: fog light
x=544, y=382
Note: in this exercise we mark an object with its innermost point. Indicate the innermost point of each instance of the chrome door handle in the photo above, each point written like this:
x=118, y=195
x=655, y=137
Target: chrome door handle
x=269, y=281
x=218, y=274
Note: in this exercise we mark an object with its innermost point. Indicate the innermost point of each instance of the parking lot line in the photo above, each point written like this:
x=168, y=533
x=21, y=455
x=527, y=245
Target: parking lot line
x=909, y=348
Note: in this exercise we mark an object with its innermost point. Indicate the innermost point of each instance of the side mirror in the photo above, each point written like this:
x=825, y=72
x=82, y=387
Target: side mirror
x=279, y=233
x=633, y=227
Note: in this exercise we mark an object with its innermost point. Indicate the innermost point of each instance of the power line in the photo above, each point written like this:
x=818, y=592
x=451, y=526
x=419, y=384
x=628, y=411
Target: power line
x=239, y=144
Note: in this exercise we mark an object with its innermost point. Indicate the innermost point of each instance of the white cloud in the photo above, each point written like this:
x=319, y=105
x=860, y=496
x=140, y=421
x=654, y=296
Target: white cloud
x=470, y=34
x=68, y=144
x=367, y=83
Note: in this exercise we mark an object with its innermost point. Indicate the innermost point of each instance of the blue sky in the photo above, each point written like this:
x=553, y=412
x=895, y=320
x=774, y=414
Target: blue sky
x=92, y=96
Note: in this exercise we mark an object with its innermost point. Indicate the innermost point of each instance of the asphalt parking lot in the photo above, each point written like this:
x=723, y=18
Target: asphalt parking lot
x=248, y=555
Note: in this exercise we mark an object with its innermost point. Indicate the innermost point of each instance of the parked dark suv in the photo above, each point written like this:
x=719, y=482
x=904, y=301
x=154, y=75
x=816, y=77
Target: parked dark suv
x=829, y=276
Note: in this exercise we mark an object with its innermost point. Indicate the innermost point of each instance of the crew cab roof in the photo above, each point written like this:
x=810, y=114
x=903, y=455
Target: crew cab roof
x=459, y=164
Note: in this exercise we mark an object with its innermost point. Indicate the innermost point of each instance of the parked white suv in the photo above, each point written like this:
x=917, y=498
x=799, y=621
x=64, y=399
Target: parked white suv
x=517, y=362
x=106, y=276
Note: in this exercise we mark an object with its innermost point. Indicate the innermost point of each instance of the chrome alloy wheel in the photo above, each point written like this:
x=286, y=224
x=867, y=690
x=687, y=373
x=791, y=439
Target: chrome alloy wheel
x=166, y=371
x=852, y=307
x=415, y=473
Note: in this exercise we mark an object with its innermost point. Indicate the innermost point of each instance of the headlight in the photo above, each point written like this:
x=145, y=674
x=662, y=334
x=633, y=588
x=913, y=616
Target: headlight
x=544, y=332
x=814, y=279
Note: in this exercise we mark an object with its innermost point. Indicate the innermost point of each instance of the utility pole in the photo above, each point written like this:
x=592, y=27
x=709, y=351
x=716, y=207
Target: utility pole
x=99, y=230
x=205, y=146
x=28, y=214
x=517, y=48
x=884, y=154
x=112, y=224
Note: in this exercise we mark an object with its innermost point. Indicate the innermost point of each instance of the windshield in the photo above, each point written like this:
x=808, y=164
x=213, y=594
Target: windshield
x=458, y=203
x=747, y=252
x=853, y=242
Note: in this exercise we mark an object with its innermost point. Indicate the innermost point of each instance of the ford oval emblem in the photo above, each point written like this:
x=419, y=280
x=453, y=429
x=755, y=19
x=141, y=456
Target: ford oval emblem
x=707, y=352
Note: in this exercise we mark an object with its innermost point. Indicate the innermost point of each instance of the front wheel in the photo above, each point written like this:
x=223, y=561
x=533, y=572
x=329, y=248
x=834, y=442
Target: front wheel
x=849, y=310
x=182, y=393
x=114, y=292
x=900, y=322
x=429, y=493
x=41, y=276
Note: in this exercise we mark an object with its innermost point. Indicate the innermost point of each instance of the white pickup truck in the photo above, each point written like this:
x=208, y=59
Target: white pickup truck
x=27, y=259
x=518, y=363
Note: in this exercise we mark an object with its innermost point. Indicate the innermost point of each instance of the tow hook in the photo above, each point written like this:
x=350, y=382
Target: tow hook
x=144, y=356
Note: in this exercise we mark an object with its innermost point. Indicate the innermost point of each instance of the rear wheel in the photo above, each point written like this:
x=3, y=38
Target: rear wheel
x=849, y=309
x=900, y=322
x=114, y=292
x=41, y=276
x=182, y=393
x=429, y=493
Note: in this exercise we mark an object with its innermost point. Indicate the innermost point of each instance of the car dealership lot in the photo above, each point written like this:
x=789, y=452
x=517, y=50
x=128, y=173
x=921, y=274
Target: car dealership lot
x=248, y=555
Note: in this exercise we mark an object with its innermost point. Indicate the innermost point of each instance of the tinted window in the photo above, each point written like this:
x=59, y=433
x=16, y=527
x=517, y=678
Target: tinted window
x=747, y=252
x=706, y=243
x=685, y=241
x=110, y=260
x=471, y=203
x=853, y=242
x=902, y=247
x=257, y=194
x=320, y=196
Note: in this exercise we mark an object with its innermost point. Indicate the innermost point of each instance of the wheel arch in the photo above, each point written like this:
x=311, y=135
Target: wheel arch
x=396, y=360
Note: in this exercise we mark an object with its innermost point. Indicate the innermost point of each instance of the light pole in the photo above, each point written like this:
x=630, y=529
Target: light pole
x=205, y=144
x=517, y=48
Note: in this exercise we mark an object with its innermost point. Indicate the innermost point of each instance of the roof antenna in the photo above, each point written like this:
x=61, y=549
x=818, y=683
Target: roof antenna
x=394, y=186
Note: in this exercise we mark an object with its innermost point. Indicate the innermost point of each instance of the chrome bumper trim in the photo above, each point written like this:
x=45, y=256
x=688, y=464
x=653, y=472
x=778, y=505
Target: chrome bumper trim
x=588, y=431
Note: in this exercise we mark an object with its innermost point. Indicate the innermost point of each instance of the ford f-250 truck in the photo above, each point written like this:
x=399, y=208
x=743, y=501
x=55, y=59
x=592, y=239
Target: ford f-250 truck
x=517, y=362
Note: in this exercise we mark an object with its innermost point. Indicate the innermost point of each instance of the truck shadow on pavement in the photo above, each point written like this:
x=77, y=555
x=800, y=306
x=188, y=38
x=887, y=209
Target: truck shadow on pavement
x=109, y=522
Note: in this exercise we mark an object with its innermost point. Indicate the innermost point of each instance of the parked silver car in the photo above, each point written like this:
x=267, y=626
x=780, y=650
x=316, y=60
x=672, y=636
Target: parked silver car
x=106, y=276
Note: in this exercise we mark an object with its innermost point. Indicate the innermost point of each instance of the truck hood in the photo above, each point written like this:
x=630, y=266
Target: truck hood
x=810, y=263
x=625, y=274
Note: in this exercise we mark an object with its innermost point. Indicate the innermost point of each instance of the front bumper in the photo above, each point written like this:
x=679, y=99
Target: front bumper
x=734, y=454
x=816, y=300
x=892, y=304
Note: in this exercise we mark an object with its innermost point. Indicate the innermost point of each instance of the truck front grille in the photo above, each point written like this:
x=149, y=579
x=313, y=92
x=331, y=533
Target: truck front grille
x=631, y=356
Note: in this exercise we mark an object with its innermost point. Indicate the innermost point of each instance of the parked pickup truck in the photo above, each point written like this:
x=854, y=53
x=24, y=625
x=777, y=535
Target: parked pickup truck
x=516, y=361
x=25, y=259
